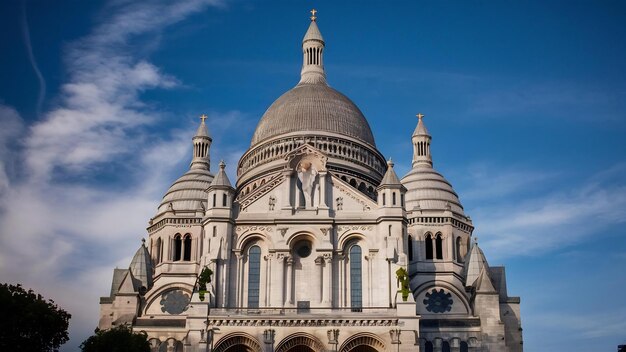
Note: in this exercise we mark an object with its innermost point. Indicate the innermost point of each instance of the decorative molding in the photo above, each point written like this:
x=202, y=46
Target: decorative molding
x=341, y=186
x=301, y=322
x=248, y=199
x=343, y=228
x=245, y=228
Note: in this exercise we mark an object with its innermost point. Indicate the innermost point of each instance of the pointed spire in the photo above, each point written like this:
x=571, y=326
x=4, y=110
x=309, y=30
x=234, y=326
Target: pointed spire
x=141, y=266
x=475, y=263
x=421, y=144
x=221, y=179
x=203, y=130
x=312, y=50
x=201, y=146
x=390, y=178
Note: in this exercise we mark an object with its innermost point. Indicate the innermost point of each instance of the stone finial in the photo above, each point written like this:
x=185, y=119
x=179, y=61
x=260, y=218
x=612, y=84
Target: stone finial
x=313, y=17
x=222, y=164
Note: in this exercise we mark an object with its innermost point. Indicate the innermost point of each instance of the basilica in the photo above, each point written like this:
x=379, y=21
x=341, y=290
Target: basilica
x=317, y=246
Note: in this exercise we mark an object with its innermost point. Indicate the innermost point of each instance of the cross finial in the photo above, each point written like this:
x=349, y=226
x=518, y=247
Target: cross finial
x=203, y=117
x=313, y=17
x=420, y=115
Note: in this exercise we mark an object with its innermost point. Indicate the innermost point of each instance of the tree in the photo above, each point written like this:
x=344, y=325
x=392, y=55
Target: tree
x=29, y=322
x=118, y=339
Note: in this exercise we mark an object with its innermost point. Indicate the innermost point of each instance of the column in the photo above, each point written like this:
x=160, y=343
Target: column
x=268, y=279
x=239, y=288
x=280, y=274
x=327, y=293
x=437, y=344
x=287, y=189
x=289, y=279
x=323, y=203
x=341, y=264
x=319, y=261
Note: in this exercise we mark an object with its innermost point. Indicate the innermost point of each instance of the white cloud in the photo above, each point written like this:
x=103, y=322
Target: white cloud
x=12, y=126
x=61, y=233
x=540, y=222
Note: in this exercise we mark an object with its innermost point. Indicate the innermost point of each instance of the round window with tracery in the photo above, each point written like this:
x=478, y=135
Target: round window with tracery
x=438, y=301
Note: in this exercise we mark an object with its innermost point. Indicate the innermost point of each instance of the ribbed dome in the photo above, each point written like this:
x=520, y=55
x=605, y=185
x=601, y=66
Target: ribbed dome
x=313, y=107
x=429, y=190
x=188, y=191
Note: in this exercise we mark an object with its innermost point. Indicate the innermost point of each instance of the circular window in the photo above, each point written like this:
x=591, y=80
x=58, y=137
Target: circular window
x=302, y=248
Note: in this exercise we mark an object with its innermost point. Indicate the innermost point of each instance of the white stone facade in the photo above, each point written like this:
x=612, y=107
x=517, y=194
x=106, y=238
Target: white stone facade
x=304, y=249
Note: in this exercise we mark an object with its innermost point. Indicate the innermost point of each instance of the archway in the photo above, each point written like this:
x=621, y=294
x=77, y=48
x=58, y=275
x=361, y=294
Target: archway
x=300, y=342
x=237, y=342
x=363, y=343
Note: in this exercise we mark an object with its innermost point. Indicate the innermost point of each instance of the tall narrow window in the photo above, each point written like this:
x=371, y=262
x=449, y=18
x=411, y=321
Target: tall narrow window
x=428, y=346
x=224, y=199
x=439, y=246
x=410, y=249
x=384, y=199
x=393, y=198
x=214, y=199
x=429, y=247
x=157, y=254
x=254, y=276
x=458, y=250
x=464, y=347
x=356, y=291
x=178, y=246
x=445, y=347
x=187, y=248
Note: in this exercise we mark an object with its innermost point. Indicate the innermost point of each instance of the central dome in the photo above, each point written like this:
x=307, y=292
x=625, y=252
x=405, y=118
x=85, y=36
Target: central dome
x=313, y=107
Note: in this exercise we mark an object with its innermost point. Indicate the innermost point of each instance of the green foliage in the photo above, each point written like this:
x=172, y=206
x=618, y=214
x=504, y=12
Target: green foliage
x=118, y=339
x=403, y=280
x=203, y=279
x=30, y=323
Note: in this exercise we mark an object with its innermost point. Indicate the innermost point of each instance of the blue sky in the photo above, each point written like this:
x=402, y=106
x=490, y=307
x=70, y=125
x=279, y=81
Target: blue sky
x=525, y=101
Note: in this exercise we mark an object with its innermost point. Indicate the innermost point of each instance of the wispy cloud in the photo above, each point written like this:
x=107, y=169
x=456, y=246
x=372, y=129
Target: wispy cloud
x=31, y=58
x=59, y=230
x=540, y=222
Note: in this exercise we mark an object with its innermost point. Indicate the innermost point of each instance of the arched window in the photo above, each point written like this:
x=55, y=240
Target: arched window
x=445, y=347
x=254, y=276
x=439, y=246
x=356, y=291
x=384, y=199
x=178, y=246
x=157, y=249
x=224, y=199
x=429, y=247
x=410, y=249
x=428, y=346
x=464, y=347
x=187, y=248
x=458, y=250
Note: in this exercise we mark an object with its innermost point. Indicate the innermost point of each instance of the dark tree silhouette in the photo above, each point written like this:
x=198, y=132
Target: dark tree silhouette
x=118, y=339
x=29, y=322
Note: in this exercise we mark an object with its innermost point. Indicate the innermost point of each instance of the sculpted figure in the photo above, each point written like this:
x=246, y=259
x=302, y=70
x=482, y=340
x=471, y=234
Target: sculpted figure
x=307, y=175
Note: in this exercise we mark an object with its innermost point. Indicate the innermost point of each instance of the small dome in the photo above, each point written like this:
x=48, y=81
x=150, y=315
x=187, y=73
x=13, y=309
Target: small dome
x=313, y=107
x=429, y=190
x=188, y=191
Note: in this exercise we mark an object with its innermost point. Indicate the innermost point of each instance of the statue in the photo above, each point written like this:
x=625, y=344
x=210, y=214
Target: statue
x=307, y=176
x=340, y=203
x=272, y=202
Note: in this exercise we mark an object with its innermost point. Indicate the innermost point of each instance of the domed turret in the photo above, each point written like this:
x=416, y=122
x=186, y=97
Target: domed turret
x=188, y=193
x=426, y=188
x=314, y=113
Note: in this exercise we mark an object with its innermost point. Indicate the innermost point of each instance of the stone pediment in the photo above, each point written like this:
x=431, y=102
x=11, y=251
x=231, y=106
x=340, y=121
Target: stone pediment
x=347, y=198
x=245, y=200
